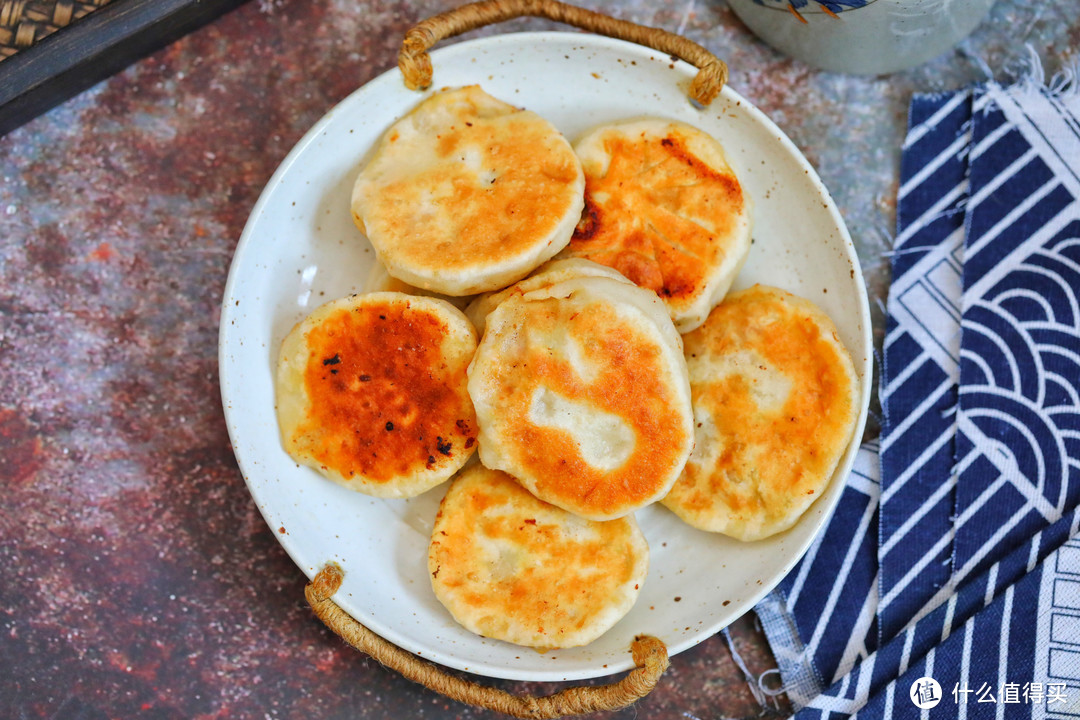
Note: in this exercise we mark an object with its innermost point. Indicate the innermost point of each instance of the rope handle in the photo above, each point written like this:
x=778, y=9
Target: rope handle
x=650, y=656
x=415, y=63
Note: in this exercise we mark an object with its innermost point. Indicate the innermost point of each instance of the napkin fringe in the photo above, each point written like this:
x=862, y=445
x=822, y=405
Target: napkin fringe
x=1061, y=84
x=799, y=675
x=1031, y=78
x=752, y=680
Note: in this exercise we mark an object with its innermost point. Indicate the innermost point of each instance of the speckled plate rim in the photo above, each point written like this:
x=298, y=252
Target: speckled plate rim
x=299, y=249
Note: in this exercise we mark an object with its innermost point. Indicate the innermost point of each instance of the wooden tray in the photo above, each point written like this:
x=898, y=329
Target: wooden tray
x=51, y=50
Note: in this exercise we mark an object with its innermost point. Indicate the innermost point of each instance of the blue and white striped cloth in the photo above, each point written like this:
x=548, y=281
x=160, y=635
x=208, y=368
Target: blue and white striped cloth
x=949, y=575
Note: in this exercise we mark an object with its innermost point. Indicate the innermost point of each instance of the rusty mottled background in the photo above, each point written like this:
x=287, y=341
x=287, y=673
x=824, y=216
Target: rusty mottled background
x=137, y=579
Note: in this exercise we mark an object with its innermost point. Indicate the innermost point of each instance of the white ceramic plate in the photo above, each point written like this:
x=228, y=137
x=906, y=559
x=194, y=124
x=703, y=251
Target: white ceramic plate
x=300, y=249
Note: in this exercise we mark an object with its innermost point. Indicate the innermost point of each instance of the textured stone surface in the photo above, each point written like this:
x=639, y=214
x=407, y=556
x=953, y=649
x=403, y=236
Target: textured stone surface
x=137, y=578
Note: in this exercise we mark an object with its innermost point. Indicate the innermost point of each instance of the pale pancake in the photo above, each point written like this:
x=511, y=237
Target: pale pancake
x=549, y=273
x=665, y=209
x=776, y=401
x=511, y=567
x=371, y=392
x=581, y=394
x=468, y=193
x=380, y=280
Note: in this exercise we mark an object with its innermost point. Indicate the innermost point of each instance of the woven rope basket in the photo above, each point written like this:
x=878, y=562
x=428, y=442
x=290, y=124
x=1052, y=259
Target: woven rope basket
x=25, y=22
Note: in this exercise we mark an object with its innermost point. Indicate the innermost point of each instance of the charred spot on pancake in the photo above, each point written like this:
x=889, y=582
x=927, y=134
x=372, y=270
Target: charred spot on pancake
x=392, y=360
x=590, y=220
x=390, y=384
x=676, y=147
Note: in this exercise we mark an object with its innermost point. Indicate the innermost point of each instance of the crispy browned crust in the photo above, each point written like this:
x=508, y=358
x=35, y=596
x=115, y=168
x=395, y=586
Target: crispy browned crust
x=775, y=403
x=582, y=397
x=514, y=568
x=372, y=392
x=663, y=207
x=468, y=193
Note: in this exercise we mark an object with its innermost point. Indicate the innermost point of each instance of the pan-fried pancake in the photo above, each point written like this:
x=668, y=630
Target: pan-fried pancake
x=468, y=193
x=511, y=567
x=581, y=394
x=664, y=208
x=379, y=280
x=775, y=404
x=549, y=273
x=371, y=392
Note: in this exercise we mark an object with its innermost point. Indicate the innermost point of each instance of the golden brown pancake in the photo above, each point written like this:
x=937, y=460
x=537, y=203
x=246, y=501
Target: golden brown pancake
x=467, y=193
x=514, y=568
x=775, y=404
x=549, y=273
x=581, y=394
x=664, y=208
x=371, y=392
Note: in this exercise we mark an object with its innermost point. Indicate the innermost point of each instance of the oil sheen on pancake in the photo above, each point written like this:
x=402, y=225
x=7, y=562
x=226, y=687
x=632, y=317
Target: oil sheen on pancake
x=581, y=394
x=775, y=404
x=371, y=392
x=511, y=567
x=468, y=193
x=664, y=208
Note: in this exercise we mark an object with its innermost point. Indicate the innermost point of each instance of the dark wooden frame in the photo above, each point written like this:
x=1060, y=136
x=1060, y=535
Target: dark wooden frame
x=91, y=49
